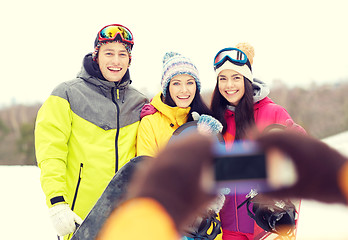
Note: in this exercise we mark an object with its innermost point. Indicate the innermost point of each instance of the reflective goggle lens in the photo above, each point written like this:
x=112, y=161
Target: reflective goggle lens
x=110, y=33
x=233, y=54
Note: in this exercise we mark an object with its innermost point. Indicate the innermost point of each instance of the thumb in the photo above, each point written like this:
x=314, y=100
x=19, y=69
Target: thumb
x=195, y=116
x=289, y=123
x=77, y=219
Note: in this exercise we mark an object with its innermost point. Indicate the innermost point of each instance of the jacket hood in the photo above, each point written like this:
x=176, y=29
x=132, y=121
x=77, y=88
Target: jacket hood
x=261, y=90
x=91, y=73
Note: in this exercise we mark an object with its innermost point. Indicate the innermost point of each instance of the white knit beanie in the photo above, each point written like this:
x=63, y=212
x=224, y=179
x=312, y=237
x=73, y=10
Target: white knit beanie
x=176, y=64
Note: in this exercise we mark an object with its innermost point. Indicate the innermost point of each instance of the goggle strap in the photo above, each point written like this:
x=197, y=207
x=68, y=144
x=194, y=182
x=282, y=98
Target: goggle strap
x=227, y=58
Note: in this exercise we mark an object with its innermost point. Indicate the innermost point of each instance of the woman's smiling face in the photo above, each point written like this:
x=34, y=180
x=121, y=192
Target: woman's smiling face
x=182, y=89
x=231, y=86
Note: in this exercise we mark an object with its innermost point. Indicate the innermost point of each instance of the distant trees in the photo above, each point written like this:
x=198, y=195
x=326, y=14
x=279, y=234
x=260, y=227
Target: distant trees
x=321, y=109
x=25, y=143
x=17, y=135
x=3, y=130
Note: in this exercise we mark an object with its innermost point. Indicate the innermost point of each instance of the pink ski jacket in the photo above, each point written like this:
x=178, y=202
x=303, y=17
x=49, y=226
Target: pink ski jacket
x=266, y=112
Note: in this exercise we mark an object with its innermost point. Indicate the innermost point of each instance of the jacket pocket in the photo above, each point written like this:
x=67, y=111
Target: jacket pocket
x=77, y=187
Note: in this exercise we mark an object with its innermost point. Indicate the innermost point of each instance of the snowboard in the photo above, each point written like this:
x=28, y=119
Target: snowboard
x=112, y=196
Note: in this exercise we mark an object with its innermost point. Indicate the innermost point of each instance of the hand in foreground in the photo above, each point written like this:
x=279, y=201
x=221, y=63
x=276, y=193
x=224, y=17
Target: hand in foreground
x=316, y=163
x=179, y=178
x=64, y=219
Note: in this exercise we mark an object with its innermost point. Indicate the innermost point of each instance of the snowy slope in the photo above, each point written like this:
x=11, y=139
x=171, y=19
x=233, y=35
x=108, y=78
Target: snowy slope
x=24, y=213
x=22, y=205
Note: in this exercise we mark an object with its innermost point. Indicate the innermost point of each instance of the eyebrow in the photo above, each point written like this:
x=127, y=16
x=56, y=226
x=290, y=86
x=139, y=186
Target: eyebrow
x=236, y=74
x=113, y=50
x=179, y=80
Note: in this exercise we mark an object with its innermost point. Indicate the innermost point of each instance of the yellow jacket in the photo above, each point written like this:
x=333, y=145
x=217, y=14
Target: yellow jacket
x=85, y=131
x=155, y=130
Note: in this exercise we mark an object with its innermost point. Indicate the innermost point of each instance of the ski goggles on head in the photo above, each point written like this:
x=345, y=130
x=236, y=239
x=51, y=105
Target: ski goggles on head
x=234, y=55
x=110, y=32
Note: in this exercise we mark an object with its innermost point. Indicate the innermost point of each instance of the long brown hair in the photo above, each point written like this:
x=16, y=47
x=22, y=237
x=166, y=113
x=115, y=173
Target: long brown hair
x=244, y=112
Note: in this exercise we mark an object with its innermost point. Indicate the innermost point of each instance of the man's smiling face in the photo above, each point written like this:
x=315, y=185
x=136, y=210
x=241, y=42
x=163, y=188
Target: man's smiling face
x=113, y=60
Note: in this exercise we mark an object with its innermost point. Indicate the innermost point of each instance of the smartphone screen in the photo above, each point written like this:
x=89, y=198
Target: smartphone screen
x=234, y=167
x=241, y=169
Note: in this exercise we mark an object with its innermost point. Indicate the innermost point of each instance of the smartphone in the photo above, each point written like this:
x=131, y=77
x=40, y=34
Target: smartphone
x=247, y=167
x=241, y=169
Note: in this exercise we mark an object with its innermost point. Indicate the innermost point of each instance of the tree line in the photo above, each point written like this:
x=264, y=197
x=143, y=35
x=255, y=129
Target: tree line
x=321, y=109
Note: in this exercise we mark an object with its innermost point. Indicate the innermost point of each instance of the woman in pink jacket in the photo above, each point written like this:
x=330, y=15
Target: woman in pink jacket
x=240, y=102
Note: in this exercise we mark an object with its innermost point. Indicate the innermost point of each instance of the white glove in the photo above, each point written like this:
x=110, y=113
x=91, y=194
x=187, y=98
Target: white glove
x=218, y=203
x=64, y=219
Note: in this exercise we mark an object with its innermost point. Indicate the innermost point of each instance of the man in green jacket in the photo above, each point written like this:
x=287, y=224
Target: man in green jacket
x=86, y=130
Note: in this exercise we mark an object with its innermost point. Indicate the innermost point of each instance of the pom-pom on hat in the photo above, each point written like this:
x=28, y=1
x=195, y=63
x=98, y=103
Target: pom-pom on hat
x=246, y=69
x=248, y=50
x=176, y=64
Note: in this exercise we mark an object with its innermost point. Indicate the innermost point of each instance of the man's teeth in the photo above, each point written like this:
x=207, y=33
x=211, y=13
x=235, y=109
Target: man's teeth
x=114, y=69
x=231, y=92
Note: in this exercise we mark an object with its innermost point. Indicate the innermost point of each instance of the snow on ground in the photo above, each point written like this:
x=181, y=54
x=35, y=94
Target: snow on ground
x=24, y=213
x=23, y=209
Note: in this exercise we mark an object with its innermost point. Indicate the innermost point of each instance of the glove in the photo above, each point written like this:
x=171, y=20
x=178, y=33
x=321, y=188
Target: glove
x=64, y=219
x=207, y=124
x=317, y=166
x=179, y=178
x=290, y=124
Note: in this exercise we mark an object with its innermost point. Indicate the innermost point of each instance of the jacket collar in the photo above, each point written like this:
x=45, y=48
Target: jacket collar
x=175, y=114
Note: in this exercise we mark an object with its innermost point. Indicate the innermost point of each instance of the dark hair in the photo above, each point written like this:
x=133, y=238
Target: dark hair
x=244, y=113
x=197, y=104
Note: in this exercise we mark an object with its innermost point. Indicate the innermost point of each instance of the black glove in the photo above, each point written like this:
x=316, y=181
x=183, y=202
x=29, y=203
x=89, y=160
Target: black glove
x=175, y=178
x=316, y=163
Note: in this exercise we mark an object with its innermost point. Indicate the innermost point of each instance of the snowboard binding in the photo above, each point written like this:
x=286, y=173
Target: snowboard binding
x=271, y=215
x=201, y=232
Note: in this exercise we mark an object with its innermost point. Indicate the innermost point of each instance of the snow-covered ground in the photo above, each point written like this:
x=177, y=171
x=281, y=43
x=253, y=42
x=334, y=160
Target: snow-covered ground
x=24, y=214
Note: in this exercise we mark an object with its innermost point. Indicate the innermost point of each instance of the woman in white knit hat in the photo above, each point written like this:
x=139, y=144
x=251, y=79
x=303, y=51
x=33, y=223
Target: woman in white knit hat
x=170, y=109
x=240, y=102
x=173, y=106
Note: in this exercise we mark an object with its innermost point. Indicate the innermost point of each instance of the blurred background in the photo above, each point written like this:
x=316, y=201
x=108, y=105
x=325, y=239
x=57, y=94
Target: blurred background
x=300, y=51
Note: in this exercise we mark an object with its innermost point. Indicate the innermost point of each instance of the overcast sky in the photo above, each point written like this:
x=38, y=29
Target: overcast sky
x=43, y=42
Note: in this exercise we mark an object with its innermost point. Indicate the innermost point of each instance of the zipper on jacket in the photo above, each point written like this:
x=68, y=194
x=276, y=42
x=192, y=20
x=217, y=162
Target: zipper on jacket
x=118, y=124
x=77, y=187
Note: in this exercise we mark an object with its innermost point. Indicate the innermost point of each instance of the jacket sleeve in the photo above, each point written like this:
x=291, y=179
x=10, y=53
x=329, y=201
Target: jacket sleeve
x=146, y=139
x=149, y=221
x=284, y=118
x=52, y=132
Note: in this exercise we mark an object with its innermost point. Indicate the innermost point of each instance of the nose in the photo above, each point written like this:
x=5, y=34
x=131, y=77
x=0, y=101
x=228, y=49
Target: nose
x=183, y=88
x=116, y=59
x=230, y=83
